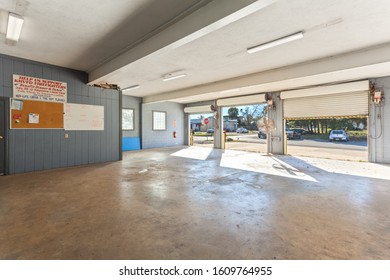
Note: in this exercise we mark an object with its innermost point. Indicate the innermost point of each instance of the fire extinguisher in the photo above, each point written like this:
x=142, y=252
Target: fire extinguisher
x=174, y=134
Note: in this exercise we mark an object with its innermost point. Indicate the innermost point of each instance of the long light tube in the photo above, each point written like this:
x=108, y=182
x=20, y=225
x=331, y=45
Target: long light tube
x=130, y=88
x=14, y=27
x=277, y=42
x=169, y=78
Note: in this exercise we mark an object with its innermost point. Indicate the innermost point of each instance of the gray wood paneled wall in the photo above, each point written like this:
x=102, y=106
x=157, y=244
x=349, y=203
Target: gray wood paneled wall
x=41, y=149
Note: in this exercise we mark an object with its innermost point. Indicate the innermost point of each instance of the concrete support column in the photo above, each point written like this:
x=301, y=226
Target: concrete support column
x=275, y=141
x=218, y=128
x=187, y=129
x=379, y=125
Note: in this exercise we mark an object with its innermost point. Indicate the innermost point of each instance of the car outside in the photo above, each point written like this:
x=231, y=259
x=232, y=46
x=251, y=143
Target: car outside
x=210, y=131
x=261, y=134
x=242, y=130
x=299, y=131
x=292, y=135
x=338, y=135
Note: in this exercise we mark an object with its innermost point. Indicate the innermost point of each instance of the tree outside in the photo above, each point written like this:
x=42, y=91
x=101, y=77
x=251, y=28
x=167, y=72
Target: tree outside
x=233, y=113
x=320, y=128
x=323, y=126
x=247, y=116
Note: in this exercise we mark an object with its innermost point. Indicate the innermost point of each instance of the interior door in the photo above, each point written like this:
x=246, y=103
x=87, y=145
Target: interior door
x=2, y=137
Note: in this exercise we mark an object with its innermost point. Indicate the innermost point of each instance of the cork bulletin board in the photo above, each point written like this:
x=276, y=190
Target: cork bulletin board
x=36, y=114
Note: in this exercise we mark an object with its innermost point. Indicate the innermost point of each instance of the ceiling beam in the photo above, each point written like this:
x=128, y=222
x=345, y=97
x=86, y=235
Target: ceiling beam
x=203, y=21
x=361, y=64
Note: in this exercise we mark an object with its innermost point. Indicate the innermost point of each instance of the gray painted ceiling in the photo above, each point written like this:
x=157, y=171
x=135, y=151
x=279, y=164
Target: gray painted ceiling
x=89, y=34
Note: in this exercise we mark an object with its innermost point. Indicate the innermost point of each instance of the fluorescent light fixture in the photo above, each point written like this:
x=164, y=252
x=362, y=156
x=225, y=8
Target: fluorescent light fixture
x=276, y=42
x=130, y=88
x=14, y=27
x=170, y=77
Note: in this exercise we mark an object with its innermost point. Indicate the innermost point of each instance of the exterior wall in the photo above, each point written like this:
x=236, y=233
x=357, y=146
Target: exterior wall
x=229, y=125
x=157, y=139
x=41, y=149
x=132, y=138
x=210, y=125
x=195, y=124
x=379, y=125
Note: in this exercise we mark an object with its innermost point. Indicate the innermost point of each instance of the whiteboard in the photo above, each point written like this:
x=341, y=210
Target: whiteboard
x=83, y=117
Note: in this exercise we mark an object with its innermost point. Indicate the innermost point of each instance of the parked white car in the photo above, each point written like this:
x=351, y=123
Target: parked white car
x=338, y=135
x=242, y=130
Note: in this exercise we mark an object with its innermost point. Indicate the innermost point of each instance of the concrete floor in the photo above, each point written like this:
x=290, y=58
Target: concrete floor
x=199, y=203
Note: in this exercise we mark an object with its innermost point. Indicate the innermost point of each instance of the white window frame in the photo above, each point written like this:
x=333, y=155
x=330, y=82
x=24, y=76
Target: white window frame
x=130, y=122
x=159, y=120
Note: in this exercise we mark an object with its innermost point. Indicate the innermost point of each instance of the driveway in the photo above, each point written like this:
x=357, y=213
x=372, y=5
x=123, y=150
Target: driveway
x=319, y=148
x=352, y=150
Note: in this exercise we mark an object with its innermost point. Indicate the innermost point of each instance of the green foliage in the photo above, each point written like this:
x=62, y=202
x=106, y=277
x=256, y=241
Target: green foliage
x=325, y=125
x=233, y=113
x=251, y=114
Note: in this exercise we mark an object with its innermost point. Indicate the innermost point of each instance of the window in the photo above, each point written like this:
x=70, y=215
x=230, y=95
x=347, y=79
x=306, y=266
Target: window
x=128, y=119
x=337, y=131
x=159, y=120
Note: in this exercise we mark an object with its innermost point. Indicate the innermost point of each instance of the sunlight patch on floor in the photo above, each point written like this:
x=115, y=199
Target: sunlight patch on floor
x=262, y=163
x=362, y=169
x=194, y=153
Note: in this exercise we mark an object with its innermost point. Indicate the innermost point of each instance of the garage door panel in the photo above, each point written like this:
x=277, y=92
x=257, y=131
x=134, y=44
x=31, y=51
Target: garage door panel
x=198, y=109
x=241, y=100
x=327, y=106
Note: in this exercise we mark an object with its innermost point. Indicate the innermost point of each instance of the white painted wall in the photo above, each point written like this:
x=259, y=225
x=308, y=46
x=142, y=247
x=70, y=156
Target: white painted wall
x=175, y=123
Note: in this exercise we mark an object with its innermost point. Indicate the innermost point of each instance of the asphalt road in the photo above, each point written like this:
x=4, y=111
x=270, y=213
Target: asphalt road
x=355, y=145
x=313, y=143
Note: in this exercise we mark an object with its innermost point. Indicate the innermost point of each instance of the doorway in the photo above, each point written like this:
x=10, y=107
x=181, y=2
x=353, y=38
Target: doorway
x=242, y=129
x=2, y=136
x=202, y=130
x=333, y=138
x=328, y=121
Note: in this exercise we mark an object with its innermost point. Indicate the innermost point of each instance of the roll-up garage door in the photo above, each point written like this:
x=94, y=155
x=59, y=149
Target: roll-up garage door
x=346, y=100
x=241, y=100
x=198, y=109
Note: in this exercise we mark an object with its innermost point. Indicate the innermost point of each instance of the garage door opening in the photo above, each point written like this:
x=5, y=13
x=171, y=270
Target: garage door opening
x=333, y=138
x=202, y=130
x=327, y=121
x=241, y=128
